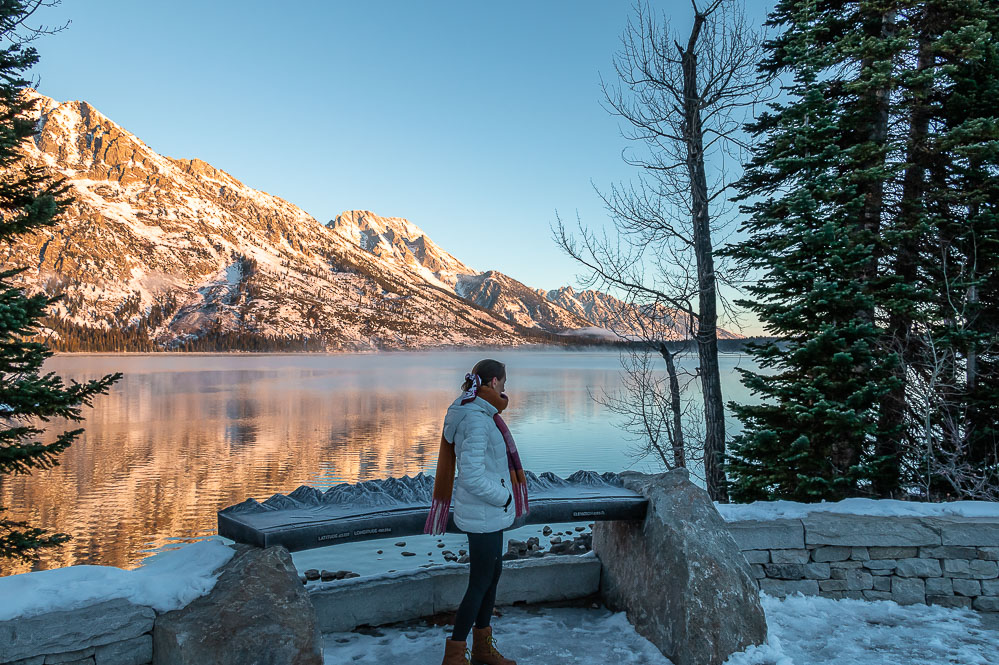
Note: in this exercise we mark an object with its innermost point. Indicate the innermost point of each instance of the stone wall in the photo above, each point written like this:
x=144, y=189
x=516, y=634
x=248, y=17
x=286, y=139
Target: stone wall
x=941, y=561
x=113, y=632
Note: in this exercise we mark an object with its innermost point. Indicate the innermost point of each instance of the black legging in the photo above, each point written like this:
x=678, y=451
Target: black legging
x=485, y=563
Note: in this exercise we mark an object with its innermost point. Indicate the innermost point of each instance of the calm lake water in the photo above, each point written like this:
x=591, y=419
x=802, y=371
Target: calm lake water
x=181, y=436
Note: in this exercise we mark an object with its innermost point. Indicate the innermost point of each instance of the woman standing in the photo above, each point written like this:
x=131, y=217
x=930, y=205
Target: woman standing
x=490, y=480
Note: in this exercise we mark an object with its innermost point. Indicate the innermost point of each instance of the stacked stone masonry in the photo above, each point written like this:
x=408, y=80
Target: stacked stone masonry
x=952, y=562
x=115, y=632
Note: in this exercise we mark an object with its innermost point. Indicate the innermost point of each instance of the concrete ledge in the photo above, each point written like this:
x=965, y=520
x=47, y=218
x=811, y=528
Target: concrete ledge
x=345, y=604
x=982, y=532
x=866, y=531
x=770, y=534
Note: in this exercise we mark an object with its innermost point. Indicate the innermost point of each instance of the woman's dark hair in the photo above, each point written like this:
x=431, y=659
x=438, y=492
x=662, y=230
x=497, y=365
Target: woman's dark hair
x=487, y=369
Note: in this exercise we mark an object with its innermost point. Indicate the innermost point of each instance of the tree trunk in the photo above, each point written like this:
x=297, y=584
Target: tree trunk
x=706, y=336
x=891, y=417
x=679, y=458
x=847, y=453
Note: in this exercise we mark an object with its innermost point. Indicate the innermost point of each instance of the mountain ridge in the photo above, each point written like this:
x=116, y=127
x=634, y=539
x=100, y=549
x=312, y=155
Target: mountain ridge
x=179, y=253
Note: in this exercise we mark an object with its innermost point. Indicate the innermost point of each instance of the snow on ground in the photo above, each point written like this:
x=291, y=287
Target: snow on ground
x=168, y=581
x=804, y=630
x=527, y=634
x=769, y=510
x=811, y=630
x=362, y=556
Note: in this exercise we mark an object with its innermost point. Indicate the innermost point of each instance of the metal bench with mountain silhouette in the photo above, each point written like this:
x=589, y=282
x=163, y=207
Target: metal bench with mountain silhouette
x=390, y=507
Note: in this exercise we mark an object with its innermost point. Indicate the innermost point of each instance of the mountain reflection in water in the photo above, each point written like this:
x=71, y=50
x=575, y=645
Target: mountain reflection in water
x=181, y=436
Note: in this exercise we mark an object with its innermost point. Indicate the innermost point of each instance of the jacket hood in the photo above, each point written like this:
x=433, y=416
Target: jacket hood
x=457, y=412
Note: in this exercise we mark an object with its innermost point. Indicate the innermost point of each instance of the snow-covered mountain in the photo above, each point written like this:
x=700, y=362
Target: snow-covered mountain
x=174, y=250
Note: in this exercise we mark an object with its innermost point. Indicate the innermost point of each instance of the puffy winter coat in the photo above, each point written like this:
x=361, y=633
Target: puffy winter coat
x=482, y=498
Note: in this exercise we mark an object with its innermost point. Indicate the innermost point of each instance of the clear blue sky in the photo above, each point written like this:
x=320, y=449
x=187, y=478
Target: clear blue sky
x=475, y=120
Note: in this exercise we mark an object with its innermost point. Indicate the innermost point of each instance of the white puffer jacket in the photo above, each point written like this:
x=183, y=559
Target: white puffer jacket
x=482, y=487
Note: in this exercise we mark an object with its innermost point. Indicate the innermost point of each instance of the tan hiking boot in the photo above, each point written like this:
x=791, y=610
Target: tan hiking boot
x=484, y=648
x=455, y=653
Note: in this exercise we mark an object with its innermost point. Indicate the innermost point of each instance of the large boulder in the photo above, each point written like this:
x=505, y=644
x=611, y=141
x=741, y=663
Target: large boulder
x=679, y=575
x=258, y=612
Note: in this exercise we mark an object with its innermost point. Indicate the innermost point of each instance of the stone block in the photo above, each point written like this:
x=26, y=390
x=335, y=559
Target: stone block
x=832, y=585
x=839, y=568
x=988, y=553
x=984, y=570
x=789, y=556
x=859, y=554
x=970, y=568
x=817, y=571
x=986, y=603
x=918, y=568
x=948, y=552
x=781, y=588
x=876, y=595
x=785, y=571
x=72, y=630
x=892, y=552
x=868, y=531
x=69, y=656
x=939, y=586
x=88, y=660
x=882, y=583
x=34, y=660
x=758, y=572
x=136, y=651
x=757, y=556
x=835, y=595
x=970, y=588
x=831, y=553
x=679, y=574
x=881, y=564
x=859, y=580
x=908, y=590
x=957, y=568
x=768, y=534
x=949, y=601
x=971, y=531
x=990, y=587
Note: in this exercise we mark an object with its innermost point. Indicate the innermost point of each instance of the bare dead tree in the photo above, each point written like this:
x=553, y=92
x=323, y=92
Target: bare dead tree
x=954, y=463
x=685, y=103
x=21, y=29
x=653, y=411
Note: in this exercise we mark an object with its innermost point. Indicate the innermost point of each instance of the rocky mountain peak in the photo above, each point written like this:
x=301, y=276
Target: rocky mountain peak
x=158, y=253
x=400, y=242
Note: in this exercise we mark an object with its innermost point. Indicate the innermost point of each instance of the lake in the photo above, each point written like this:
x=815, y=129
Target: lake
x=183, y=435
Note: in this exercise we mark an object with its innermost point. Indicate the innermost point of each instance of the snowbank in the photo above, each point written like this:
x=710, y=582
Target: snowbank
x=167, y=582
x=803, y=631
x=770, y=510
x=808, y=630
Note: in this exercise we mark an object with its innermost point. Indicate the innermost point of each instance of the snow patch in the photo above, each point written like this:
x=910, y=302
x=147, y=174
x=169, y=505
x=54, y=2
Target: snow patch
x=803, y=630
x=771, y=510
x=168, y=581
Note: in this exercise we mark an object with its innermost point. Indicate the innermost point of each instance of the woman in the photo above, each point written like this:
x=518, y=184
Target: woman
x=490, y=492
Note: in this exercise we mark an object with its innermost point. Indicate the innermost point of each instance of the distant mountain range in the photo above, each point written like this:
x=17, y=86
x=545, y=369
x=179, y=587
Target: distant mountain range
x=164, y=253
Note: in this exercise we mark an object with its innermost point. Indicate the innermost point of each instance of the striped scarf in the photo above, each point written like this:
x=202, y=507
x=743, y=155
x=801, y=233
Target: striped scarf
x=444, y=478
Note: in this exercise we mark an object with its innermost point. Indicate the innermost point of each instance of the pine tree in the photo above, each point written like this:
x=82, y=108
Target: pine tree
x=961, y=253
x=817, y=182
x=29, y=200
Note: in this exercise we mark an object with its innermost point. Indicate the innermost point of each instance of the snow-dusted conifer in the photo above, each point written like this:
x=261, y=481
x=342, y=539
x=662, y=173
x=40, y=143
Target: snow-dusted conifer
x=29, y=200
